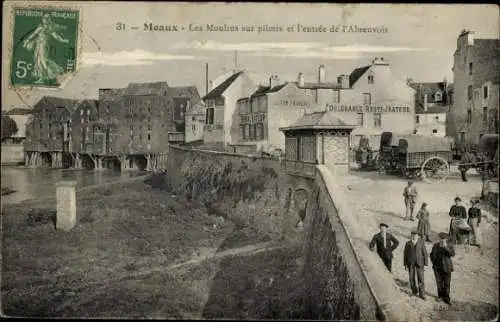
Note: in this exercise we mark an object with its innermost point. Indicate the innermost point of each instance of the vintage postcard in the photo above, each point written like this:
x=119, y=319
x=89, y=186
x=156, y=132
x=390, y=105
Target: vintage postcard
x=218, y=160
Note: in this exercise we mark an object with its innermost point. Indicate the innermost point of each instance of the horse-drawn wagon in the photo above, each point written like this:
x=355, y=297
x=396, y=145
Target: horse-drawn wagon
x=425, y=156
x=389, y=151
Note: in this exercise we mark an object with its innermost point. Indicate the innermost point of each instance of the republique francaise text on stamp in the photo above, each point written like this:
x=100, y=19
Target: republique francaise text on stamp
x=45, y=46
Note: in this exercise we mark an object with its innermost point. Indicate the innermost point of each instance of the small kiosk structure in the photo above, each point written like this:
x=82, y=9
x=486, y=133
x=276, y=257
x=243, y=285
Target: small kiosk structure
x=317, y=138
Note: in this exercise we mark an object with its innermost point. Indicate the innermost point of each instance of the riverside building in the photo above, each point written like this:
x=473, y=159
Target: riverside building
x=476, y=77
x=221, y=104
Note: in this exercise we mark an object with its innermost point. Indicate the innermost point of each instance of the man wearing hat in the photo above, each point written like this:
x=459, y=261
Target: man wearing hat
x=415, y=258
x=441, y=255
x=410, y=197
x=386, y=243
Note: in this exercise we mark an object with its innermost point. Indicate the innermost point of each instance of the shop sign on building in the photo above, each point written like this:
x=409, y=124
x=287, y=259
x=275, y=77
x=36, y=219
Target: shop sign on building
x=368, y=108
x=293, y=103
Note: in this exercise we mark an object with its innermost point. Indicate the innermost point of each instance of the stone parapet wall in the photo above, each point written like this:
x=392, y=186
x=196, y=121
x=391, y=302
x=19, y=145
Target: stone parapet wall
x=341, y=250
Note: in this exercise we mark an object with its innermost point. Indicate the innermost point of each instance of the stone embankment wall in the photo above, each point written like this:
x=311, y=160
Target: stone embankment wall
x=244, y=188
x=345, y=279
x=342, y=278
x=12, y=154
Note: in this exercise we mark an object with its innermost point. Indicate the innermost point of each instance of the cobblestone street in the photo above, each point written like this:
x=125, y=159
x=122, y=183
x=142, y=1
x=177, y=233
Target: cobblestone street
x=474, y=284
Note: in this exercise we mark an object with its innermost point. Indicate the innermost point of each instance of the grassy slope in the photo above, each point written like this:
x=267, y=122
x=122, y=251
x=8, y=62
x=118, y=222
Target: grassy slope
x=113, y=262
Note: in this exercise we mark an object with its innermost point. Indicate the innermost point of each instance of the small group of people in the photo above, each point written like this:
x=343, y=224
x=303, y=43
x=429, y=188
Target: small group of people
x=415, y=259
x=464, y=225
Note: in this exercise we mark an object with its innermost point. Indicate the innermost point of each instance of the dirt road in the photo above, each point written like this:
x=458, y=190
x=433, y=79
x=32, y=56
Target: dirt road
x=474, y=289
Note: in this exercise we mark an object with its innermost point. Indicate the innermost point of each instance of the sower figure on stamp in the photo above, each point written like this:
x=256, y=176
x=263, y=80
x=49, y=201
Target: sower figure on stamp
x=410, y=195
x=441, y=255
x=386, y=243
x=415, y=259
x=44, y=67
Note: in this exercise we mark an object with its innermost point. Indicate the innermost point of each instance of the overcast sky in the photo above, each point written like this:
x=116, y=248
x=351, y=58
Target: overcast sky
x=419, y=43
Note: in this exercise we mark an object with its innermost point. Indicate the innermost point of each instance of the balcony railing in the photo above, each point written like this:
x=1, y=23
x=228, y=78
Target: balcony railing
x=175, y=137
x=301, y=168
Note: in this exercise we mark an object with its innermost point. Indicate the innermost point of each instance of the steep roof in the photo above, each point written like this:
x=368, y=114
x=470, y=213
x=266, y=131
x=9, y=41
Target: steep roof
x=219, y=90
x=263, y=90
x=319, y=120
x=111, y=93
x=319, y=85
x=139, y=89
x=183, y=90
x=356, y=74
x=70, y=104
x=18, y=111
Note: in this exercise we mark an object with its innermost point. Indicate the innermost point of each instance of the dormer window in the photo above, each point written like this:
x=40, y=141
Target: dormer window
x=438, y=96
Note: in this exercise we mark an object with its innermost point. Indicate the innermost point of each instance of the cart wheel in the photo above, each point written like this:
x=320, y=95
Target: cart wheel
x=435, y=169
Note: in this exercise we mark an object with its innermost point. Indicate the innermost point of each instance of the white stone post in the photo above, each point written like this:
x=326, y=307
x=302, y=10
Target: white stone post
x=66, y=205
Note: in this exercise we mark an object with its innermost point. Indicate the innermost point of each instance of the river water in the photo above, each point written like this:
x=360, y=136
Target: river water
x=37, y=183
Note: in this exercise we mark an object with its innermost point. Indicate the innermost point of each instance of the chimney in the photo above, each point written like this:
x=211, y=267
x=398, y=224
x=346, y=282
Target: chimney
x=206, y=78
x=425, y=102
x=321, y=74
x=273, y=81
x=343, y=80
x=300, y=80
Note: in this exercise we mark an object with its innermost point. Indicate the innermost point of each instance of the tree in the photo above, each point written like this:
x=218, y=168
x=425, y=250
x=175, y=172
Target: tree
x=9, y=127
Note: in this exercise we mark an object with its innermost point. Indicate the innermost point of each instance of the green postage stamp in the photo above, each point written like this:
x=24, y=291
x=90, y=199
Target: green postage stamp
x=45, y=46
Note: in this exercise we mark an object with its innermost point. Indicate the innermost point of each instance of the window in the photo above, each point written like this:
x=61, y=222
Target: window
x=469, y=92
x=434, y=131
x=210, y=115
x=438, y=97
x=336, y=96
x=259, y=131
x=359, y=119
x=436, y=118
x=469, y=117
x=470, y=68
x=88, y=112
x=247, y=132
x=367, y=99
x=251, y=134
x=81, y=112
x=462, y=136
x=485, y=116
x=417, y=119
x=485, y=92
x=371, y=79
x=377, y=120
x=242, y=129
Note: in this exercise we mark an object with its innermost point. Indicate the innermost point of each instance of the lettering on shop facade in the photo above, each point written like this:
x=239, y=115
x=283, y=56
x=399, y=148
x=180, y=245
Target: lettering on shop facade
x=293, y=103
x=367, y=109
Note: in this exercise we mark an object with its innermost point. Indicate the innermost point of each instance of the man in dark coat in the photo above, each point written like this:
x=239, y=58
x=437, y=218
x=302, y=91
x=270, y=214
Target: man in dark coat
x=415, y=259
x=441, y=255
x=386, y=244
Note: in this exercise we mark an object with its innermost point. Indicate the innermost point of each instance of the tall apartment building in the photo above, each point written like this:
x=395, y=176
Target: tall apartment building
x=476, y=72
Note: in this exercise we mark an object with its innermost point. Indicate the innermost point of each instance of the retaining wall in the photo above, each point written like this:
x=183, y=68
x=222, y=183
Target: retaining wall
x=344, y=280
